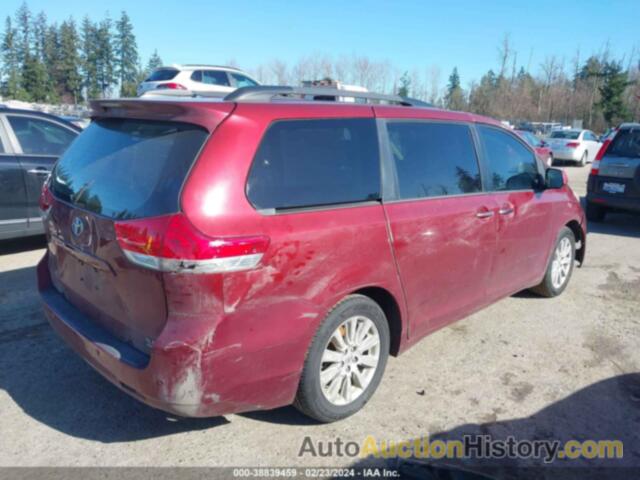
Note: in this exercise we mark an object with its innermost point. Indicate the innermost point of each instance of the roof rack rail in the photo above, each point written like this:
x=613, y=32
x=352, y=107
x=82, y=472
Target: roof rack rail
x=267, y=93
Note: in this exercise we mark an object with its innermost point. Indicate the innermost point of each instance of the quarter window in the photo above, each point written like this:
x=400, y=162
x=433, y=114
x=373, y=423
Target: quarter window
x=40, y=137
x=242, y=81
x=303, y=163
x=510, y=165
x=433, y=159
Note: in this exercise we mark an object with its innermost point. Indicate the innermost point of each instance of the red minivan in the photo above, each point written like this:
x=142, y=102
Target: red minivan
x=212, y=256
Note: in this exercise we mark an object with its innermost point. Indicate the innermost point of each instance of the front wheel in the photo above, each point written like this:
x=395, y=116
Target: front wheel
x=345, y=361
x=560, y=268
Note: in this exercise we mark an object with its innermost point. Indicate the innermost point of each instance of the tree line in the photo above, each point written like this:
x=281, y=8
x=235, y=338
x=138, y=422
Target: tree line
x=599, y=90
x=69, y=63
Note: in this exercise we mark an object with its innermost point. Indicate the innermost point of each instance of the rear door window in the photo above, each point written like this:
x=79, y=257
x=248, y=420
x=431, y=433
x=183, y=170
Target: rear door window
x=433, y=159
x=626, y=144
x=123, y=168
x=215, y=77
x=510, y=165
x=40, y=137
x=162, y=75
x=306, y=163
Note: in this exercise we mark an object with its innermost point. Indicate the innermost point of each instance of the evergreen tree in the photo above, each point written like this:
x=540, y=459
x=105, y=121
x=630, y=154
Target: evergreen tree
x=40, y=35
x=105, y=61
x=23, y=27
x=35, y=80
x=127, y=56
x=454, y=99
x=11, y=66
x=405, y=83
x=154, y=62
x=615, y=81
x=69, y=79
x=89, y=58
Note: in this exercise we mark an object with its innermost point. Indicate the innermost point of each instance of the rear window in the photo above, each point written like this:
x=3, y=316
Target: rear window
x=625, y=144
x=304, y=163
x=123, y=168
x=569, y=135
x=162, y=74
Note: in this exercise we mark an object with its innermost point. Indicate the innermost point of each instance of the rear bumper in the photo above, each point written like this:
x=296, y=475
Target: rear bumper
x=177, y=376
x=570, y=154
x=617, y=202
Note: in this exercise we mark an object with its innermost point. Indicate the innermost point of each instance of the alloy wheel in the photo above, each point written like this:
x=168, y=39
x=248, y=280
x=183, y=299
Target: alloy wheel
x=349, y=360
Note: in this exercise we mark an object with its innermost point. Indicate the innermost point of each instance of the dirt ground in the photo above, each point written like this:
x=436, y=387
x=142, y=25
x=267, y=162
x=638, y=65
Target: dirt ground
x=527, y=366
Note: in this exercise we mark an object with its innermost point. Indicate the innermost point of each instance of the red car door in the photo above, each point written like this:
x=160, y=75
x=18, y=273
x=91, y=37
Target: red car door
x=524, y=215
x=443, y=227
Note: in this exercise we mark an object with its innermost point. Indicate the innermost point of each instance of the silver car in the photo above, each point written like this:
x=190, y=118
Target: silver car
x=579, y=146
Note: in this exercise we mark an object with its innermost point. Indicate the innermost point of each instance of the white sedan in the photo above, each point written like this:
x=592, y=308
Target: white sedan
x=579, y=146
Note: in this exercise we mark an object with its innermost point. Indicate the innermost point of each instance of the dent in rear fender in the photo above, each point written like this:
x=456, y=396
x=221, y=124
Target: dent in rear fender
x=314, y=260
x=194, y=305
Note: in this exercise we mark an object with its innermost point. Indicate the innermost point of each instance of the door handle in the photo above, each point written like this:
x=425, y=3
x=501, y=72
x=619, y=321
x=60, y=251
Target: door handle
x=39, y=171
x=506, y=209
x=484, y=213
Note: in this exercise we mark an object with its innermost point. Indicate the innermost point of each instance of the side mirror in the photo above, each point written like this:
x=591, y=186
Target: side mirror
x=543, y=143
x=555, y=178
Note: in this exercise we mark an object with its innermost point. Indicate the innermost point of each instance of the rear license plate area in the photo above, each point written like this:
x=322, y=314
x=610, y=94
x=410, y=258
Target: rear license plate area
x=613, y=187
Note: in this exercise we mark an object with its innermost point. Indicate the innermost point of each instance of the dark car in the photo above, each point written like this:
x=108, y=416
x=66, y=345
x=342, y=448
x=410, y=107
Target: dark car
x=614, y=181
x=30, y=144
x=210, y=257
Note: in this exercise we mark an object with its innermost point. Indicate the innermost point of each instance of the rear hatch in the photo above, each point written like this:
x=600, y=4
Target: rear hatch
x=619, y=169
x=157, y=77
x=118, y=170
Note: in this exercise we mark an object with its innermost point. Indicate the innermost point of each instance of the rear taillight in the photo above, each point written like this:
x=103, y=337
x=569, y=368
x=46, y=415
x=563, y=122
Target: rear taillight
x=171, y=86
x=46, y=198
x=172, y=244
x=573, y=144
x=595, y=166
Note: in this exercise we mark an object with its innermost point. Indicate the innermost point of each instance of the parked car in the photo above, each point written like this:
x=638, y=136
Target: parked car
x=614, y=181
x=578, y=146
x=542, y=149
x=30, y=143
x=197, y=78
x=210, y=257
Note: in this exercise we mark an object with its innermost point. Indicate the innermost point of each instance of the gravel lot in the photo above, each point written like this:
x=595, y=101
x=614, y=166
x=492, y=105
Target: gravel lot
x=527, y=366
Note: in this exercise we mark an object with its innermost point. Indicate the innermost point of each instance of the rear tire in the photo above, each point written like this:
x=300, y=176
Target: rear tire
x=595, y=213
x=583, y=159
x=346, y=360
x=560, y=267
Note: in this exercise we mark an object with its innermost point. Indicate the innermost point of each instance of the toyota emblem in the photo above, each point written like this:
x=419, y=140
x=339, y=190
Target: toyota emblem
x=77, y=226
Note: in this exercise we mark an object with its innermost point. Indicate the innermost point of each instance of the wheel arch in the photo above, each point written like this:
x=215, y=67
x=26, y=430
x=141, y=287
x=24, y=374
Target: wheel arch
x=391, y=309
x=579, y=235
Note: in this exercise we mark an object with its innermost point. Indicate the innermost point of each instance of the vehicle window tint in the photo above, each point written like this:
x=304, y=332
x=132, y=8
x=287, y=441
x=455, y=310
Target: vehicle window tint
x=197, y=76
x=125, y=168
x=40, y=137
x=568, y=134
x=433, y=159
x=162, y=74
x=242, y=81
x=215, y=77
x=626, y=144
x=303, y=163
x=531, y=139
x=510, y=165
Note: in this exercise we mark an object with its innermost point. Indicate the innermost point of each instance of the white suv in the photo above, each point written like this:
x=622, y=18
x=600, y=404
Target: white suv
x=197, y=78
